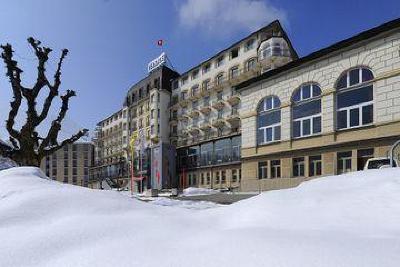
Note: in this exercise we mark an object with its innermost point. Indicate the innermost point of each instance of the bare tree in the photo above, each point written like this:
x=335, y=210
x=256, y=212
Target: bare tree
x=27, y=147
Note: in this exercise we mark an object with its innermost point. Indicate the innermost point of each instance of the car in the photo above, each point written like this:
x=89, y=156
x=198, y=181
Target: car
x=379, y=163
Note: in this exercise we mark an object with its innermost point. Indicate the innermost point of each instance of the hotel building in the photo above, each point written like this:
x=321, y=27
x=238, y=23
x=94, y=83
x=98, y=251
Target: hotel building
x=147, y=103
x=205, y=124
x=323, y=114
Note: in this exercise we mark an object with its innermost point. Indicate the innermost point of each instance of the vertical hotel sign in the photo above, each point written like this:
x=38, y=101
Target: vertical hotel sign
x=154, y=64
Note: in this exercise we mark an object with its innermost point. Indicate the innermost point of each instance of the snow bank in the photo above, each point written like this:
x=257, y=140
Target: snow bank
x=193, y=191
x=6, y=163
x=347, y=220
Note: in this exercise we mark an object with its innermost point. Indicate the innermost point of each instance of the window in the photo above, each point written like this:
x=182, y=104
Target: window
x=234, y=176
x=298, y=167
x=249, y=45
x=315, y=166
x=223, y=177
x=236, y=145
x=184, y=80
x=234, y=53
x=202, y=178
x=344, y=162
x=275, y=169
x=251, y=64
x=354, y=99
x=207, y=154
x=217, y=177
x=269, y=120
x=234, y=72
x=222, y=150
x=273, y=47
x=306, y=111
x=206, y=85
x=206, y=68
x=208, y=177
x=220, y=78
x=220, y=61
x=195, y=74
x=263, y=170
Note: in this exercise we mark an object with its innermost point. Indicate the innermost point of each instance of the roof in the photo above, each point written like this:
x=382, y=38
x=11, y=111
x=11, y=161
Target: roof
x=371, y=33
x=275, y=23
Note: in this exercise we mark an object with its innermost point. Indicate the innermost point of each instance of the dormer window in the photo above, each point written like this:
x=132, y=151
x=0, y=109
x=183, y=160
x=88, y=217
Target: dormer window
x=220, y=61
x=234, y=53
x=206, y=68
x=249, y=45
x=195, y=74
x=184, y=80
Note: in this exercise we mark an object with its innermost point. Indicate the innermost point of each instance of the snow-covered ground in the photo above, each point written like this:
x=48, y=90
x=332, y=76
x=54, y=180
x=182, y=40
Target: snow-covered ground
x=348, y=220
x=194, y=191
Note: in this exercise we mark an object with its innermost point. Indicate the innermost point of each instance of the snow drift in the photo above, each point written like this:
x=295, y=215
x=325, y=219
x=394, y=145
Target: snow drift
x=346, y=220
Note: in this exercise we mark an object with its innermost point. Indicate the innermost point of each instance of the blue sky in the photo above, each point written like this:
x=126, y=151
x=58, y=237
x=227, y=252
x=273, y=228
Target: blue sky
x=111, y=41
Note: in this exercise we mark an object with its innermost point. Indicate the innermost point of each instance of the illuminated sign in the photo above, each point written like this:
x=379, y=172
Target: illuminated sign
x=157, y=62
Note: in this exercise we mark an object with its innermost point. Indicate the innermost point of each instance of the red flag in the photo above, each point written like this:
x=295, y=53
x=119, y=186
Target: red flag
x=160, y=42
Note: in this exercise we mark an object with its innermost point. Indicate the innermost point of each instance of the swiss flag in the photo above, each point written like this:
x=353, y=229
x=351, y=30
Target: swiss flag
x=160, y=42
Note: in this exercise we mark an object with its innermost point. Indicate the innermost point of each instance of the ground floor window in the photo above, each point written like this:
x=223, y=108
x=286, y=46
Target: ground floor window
x=275, y=169
x=343, y=162
x=363, y=155
x=315, y=166
x=298, y=167
x=263, y=170
x=223, y=177
x=208, y=177
x=234, y=176
x=202, y=178
x=192, y=179
x=240, y=175
x=217, y=177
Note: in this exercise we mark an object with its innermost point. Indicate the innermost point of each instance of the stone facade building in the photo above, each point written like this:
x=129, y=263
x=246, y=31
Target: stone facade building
x=323, y=114
x=205, y=122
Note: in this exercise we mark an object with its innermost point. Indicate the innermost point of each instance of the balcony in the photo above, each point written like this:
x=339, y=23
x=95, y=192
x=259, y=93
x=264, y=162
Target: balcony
x=218, y=122
x=205, y=108
x=194, y=129
x=194, y=112
x=184, y=102
x=218, y=104
x=205, y=125
x=195, y=94
x=183, y=133
x=184, y=116
x=234, y=98
x=233, y=118
x=206, y=90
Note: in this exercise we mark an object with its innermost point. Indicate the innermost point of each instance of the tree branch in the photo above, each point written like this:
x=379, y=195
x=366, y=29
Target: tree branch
x=14, y=74
x=49, y=150
x=42, y=54
x=55, y=128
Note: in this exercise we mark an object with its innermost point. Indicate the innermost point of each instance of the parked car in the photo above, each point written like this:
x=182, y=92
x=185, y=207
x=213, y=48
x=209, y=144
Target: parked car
x=379, y=163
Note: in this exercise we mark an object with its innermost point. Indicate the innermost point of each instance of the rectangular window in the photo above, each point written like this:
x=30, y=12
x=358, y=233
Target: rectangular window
x=208, y=177
x=217, y=177
x=234, y=176
x=344, y=162
x=220, y=61
x=263, y=170
x=315, y=166
x=275, y=169
x=234, y=53
x=202, y=178
x=223, y=177
x=298, y=167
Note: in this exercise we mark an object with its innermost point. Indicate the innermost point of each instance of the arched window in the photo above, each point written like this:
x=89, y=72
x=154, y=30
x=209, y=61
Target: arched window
x=269, y=120
x=219, y=79
x=251, y=64
x=354, y=99
x=306, y=110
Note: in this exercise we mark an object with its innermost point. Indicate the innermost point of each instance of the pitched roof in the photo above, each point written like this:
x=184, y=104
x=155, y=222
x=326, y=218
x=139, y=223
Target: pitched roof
x=386, y=27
